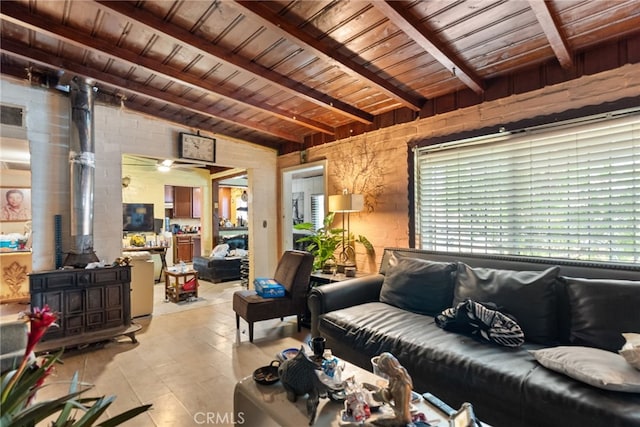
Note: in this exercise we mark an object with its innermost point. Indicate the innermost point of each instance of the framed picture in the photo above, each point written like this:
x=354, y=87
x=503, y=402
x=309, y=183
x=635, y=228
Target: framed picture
x=15, y=204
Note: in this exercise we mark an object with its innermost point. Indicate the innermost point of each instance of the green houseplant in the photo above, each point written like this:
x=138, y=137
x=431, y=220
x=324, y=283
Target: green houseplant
x=324, y=242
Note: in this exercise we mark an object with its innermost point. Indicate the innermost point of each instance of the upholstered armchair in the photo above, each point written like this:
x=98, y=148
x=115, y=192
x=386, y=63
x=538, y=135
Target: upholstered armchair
x=293, y=272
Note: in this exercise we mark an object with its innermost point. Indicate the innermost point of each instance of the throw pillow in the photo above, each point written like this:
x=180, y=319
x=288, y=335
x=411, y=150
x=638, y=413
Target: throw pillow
x=601, y=310
x=599, y=368
x=482, y=321
x=418, y=285
x=530, y=296
x=631, y=350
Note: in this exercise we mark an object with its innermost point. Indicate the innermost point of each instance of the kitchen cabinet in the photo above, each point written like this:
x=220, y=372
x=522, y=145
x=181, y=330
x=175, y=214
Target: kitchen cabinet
x=196, y=202
x=183, y=249
x=168, y=194
x=182, y=202
x=187, y=201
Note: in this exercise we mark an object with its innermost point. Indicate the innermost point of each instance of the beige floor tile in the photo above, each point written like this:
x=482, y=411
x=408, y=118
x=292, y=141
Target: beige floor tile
x=186, y=362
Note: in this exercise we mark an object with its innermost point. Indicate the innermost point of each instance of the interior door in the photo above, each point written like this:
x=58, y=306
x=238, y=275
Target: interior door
x=299, y=185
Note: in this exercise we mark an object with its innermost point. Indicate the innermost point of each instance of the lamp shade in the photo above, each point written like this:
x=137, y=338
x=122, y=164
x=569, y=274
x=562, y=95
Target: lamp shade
x=346, y=203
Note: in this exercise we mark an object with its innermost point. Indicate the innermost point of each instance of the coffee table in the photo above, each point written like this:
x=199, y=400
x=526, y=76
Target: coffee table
x=267, y=405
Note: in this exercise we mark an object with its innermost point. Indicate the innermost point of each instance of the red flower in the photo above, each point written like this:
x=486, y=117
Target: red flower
x=41, y=319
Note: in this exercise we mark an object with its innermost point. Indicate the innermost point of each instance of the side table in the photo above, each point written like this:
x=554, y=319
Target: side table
x=174, y=282
x=318, y=278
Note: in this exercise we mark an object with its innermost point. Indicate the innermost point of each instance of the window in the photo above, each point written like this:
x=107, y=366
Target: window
x=317, y=211
x=570, y=192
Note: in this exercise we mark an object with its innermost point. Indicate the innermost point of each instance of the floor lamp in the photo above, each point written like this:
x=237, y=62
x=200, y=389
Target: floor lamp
x=346, y=203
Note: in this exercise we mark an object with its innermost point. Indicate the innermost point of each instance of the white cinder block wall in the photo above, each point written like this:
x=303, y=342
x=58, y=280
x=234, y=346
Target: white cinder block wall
x=118, y=131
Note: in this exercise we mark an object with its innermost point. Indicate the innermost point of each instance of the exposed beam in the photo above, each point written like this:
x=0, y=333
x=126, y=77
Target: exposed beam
x=329, y=54
x=20, y=15
x=182, y=36
x=548, y=23
x=29, y=53
x=412, y=27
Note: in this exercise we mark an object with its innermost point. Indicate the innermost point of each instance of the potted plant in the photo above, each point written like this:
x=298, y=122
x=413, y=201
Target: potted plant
x=18, y=406
x=324, y=242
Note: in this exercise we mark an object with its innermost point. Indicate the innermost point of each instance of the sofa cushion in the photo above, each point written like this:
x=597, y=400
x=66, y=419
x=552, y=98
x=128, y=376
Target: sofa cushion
x=455, y=367
x=530, y=296
x=599, y=368
x=601, y=310
x=418, y=285
x=631, y=350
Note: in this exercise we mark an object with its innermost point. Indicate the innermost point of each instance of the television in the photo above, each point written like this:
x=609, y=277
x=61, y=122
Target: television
x=137, y=217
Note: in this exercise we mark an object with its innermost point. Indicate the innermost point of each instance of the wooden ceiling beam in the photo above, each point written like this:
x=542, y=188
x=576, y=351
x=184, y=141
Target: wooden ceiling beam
x=20, y=15
x=31, y=54
x=329, y=54
x=549, y=25
x=412, y=27
x=181, y=36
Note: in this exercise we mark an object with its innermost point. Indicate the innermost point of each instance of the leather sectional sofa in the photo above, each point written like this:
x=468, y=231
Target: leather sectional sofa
x=551, y=300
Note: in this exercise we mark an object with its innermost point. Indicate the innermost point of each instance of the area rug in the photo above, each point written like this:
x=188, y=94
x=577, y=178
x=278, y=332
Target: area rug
x=208, y=294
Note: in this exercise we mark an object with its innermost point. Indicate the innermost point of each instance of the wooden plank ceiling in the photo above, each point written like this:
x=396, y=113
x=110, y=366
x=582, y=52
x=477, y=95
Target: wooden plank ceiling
x=286, y=73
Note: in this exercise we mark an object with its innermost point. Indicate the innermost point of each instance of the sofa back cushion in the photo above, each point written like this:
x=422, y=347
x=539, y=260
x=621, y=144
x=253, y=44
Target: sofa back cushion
x=601, y=310
x=530, y=296
x=418, y=285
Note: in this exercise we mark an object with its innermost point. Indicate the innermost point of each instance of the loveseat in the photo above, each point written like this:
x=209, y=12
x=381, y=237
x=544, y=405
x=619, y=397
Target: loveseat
x=557, y=309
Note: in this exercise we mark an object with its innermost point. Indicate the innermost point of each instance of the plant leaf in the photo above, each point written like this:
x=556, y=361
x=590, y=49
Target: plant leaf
x=127, y=415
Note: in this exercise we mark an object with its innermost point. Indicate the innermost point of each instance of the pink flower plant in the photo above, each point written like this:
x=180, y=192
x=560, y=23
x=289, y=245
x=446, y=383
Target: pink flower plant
x=18, y=387
x=40, y=319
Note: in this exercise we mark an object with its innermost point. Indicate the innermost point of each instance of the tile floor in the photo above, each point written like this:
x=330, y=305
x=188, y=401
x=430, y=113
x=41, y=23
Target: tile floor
x=186, y=362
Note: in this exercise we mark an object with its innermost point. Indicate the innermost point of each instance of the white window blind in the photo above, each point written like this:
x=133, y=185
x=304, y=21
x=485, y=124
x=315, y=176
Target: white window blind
x=317, y=211
x=572, y=192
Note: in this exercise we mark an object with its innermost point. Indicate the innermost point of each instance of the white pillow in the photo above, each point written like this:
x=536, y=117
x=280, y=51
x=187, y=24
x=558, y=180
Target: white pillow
x=599, y=368
x=631, y=350
x=220, y=251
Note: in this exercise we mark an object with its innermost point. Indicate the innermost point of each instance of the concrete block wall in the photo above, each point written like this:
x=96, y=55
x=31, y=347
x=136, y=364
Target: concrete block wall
x=119, y=131
x=388, y=224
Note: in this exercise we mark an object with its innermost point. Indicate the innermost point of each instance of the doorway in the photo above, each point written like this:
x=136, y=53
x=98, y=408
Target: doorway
x=303, y=198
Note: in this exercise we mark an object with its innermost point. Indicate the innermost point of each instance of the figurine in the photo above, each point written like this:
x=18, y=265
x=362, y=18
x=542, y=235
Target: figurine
x=298, y=377
x=397, y=393
x=122, y=261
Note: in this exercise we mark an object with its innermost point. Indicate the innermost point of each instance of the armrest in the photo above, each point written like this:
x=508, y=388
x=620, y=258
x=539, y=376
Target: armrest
x=334, y=296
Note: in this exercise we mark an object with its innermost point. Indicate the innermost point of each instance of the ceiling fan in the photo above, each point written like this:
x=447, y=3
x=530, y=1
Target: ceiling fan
x=160, y=165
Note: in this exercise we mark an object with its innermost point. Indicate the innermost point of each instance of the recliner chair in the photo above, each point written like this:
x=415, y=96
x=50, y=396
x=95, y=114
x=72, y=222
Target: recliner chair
x=293, y=272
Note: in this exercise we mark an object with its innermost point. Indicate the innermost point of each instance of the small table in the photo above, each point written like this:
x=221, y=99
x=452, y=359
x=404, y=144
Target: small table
x=318, y=278
x=174, y=282
x=160, y=250
x=268, y=406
